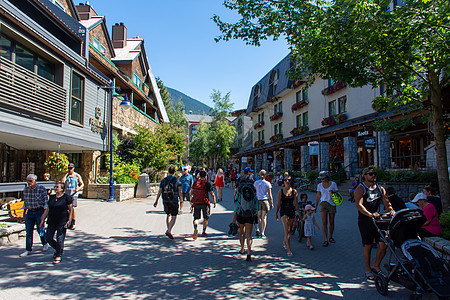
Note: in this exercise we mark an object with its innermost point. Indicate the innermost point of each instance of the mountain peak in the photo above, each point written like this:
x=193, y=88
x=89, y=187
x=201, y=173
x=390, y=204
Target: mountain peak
x=192, y=106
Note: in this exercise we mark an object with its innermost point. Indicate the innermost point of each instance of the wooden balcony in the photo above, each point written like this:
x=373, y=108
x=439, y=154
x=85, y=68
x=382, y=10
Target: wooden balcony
x=29, y=93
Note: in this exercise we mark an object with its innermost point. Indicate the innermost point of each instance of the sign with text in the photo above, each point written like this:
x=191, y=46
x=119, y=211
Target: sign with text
x=369, y=143
x=97, y=126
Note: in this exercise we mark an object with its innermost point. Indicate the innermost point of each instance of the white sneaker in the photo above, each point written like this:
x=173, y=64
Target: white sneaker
x=45, y=247
x=26, y=253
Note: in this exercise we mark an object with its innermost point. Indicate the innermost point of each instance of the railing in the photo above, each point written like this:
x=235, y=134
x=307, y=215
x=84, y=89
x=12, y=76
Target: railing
x=28, y=92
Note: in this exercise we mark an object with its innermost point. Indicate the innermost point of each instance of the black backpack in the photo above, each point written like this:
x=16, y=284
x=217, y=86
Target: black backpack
x=169, y=189
x=247, y=203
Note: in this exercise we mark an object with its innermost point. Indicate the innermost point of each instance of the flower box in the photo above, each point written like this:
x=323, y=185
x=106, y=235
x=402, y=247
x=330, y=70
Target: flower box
x=259, y=143
x=276, y=116
x=334, y=88
x=299, y=105
x=277, y=137
x=274, y=99
x=299, y=130
x=297, y=83
x=259, y=125
x=333, y=120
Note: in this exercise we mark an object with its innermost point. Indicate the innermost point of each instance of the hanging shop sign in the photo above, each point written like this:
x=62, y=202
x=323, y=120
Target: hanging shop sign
x=313, y=148
x=244, y=159
x=369, y=143
x=97, y=126
x=364, y=133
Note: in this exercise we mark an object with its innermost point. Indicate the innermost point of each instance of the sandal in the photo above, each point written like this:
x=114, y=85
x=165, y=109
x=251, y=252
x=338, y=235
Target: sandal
x=290, y=254
x=325, y=244
x=332, y=240
x=169, y=235
x=57, y=260
x=370, y=276
x=379, y=273
x=242, y=251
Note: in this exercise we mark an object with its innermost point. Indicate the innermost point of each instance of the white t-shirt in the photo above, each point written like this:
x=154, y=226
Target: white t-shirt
x=262, y=189
x=325, y=194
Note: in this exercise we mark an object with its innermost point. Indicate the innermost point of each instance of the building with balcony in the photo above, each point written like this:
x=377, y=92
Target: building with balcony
x=324, y=125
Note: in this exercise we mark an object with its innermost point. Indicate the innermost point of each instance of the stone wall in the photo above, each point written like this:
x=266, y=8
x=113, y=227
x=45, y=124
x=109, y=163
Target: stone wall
x=126, y=119
x=324, y=155
x=384, y=152
x=101, y=191
x=289, y=161
x=306, y=159
x=403, y=189
x=350, y=155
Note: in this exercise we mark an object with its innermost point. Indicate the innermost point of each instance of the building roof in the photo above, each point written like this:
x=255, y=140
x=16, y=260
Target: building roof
x=92, y=22
x=191, y=118
x=130, y=51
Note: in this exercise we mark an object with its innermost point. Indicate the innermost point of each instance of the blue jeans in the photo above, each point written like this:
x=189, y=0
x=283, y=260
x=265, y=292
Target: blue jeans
x=33, y=218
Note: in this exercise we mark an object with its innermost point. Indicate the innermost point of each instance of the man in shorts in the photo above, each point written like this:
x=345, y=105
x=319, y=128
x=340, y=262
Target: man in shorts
x=171, y=187
x=368, y=197
x=201, y=203
x=265, y=201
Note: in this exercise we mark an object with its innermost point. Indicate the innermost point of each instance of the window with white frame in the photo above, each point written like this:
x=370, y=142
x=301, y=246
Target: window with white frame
x=298, y=120
x=305, y=119
x=332, y=108
x=137, y=80
x=261, y=117
x=99, y=46
x=77, y=99
x=273, y=82
x=342, y=104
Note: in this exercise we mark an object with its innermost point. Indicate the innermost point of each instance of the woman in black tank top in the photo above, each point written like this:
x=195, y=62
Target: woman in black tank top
x=287, y=204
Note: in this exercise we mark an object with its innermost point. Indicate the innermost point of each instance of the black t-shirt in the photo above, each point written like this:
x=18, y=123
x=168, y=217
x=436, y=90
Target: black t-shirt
x=397, y=202
x=371, y=201
x=58, y=210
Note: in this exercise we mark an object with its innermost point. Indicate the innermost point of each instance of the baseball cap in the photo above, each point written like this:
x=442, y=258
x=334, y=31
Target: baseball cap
x=185, y=168
x=248, y=170
x=418, y=197
x=71, y=165
x=323, y=174
x=367, y=170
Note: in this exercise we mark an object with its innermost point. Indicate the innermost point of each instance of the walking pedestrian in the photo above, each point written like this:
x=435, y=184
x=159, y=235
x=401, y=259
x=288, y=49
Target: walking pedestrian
x=170, y=190
x=368, y=197
x=186, y=181
x=74, y=183
x=233, y=178
x=246, y=211
x=310, y=221
x=287, y=204
x=219, y=184
x=327, y=207
x=35, y=199
x=265, y=202
x=59, y=213
x=201, y=203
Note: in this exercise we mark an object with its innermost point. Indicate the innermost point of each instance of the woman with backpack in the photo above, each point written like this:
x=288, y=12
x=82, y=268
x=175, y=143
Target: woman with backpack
x=287, y=205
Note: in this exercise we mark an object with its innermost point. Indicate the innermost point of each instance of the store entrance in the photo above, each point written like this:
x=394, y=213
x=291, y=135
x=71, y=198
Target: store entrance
x=366, y=157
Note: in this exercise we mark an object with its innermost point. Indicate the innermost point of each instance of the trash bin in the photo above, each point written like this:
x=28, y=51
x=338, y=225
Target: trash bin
x=143, y=187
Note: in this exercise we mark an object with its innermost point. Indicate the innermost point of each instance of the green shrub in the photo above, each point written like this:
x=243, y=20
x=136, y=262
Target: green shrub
x=312, y=175
x=444, y=220
x=406, y=176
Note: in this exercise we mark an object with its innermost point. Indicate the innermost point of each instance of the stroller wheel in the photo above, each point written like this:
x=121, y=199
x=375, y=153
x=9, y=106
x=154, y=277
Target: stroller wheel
x=381, y=285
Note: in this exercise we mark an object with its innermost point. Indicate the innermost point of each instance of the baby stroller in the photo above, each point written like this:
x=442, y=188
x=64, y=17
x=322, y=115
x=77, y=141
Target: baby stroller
x=418, y=266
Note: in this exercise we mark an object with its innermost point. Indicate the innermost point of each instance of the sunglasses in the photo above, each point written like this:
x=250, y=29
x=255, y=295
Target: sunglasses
x=287, y=180
x=30, y=180
x=371, y=174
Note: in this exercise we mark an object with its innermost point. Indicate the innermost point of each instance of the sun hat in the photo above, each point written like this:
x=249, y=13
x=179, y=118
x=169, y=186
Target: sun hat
x=248, y=170
x=418, y=197
x=323, y=174
x=309, y=207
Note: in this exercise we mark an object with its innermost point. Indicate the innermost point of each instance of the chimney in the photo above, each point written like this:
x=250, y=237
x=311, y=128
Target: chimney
x=119, y=35
x=85, y=11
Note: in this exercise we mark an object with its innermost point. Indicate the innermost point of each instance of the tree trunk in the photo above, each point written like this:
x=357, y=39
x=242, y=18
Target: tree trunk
x=439, y=137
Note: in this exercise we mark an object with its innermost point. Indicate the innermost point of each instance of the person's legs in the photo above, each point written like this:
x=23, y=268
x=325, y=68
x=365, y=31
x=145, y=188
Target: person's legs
x=241, y=236
x=286, y=241
x=324, y=215
x=168, y=221
x=171, y=223
x=263, y=221
x=248, y=231
x=308, y=241
x=367, y=252
x=29, y=227
x=60, y=236
x=220, y=192
x=49, y=237
x=331, y=216
x=381, y=252
x=38, y=216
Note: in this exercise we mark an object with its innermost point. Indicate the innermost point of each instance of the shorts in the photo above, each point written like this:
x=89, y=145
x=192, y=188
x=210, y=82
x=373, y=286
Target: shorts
x=75, y=200
x=186, y=197
x=263, y=205
x=171, y=208
x=368, y=232
x=233, y=179
x=247, y=220
x=287, y=211
x=325, y=206
x=203, y=208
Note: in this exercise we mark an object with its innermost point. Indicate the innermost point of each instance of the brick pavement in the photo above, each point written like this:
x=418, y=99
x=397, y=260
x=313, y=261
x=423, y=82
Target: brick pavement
x=119, y=251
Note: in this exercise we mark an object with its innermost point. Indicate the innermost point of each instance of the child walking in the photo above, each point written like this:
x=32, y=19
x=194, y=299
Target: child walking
x=310, y=221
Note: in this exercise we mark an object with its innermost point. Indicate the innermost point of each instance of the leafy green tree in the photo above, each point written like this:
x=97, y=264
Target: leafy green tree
x=221, y=138
x=199, y=144
x=222, y=105
x=360, y=43
x=155, y=149
x=175, y=111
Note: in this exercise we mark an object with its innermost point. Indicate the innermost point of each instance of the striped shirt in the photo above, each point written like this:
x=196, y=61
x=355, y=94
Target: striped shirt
x=35, y=198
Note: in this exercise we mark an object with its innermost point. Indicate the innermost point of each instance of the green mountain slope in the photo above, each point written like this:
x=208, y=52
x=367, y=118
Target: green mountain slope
x=190, y=104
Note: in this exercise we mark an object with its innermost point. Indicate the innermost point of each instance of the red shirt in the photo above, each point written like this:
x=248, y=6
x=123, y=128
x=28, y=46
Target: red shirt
x=233, y=174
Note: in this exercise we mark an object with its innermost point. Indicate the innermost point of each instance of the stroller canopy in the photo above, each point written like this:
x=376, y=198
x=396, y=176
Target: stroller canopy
x=405, y=225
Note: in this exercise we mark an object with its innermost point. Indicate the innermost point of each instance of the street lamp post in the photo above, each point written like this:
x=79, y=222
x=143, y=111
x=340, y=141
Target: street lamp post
x=124, y=103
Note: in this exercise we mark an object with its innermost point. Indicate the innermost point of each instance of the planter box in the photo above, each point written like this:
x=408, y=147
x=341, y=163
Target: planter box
x=101, y=191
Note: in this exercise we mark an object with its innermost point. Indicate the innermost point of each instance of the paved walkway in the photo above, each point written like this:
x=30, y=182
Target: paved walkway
x=119, y=250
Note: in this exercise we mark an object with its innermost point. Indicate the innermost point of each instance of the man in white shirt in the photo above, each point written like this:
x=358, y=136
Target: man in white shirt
x=264, y=195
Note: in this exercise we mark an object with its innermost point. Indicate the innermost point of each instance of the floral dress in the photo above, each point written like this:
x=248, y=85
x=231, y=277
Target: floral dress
x=309, y=225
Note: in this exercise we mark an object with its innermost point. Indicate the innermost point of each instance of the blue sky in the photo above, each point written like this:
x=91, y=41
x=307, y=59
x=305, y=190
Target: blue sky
x=179, y=40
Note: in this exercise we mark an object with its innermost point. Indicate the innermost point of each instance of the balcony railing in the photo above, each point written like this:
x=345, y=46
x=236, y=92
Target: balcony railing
x=27, y=92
